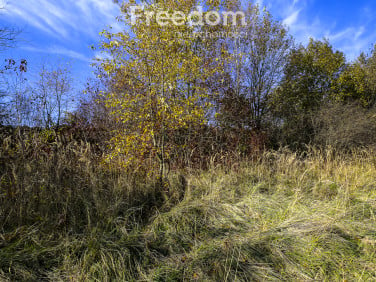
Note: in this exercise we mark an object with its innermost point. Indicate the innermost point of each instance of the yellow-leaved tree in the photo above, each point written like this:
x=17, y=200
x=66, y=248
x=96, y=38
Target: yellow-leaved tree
x=157, y=68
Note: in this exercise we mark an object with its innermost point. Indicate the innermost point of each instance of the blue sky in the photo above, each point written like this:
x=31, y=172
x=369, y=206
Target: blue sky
x=56, y=30
x=349, y=25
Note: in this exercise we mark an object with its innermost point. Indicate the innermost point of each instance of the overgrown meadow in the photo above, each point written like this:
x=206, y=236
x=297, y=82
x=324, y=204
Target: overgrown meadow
x=190, y=157
x=65, y=216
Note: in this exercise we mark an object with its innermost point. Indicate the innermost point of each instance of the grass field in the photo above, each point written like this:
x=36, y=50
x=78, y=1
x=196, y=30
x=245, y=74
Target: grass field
x=281, y=216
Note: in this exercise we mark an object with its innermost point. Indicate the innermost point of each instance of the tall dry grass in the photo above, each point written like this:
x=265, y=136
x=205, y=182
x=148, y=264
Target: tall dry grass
x=281, y=216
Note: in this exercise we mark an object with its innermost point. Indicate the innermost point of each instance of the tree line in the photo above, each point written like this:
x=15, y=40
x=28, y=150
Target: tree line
x=170, y=94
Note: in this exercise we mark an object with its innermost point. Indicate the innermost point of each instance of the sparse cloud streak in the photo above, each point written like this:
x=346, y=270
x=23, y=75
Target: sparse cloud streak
x=349, y=26
x=64, y=19
x=291, y=19
x=68, y=27
x=58, y=50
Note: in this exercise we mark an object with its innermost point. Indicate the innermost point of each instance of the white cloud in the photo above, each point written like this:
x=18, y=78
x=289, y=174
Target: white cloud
x=360, y=32
x=102, y=56
x=69, y=53
x=342, y=34
x=58, y=50
x=2, y=4
x=304, y=22
x=75, y=20
x=291, y=19
x=61, y=18
x=260, y=3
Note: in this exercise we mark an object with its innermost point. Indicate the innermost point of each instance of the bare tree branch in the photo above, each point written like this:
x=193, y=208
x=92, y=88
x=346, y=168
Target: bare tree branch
x=8, y=35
